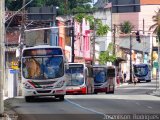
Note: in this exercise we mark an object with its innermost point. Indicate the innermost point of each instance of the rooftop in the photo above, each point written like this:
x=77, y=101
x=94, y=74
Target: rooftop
x=154, y=2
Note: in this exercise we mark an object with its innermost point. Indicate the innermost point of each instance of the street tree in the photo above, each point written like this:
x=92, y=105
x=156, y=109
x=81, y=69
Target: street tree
x=100, y=30
x=65, y=6
x=156, y=25
x=107, y=56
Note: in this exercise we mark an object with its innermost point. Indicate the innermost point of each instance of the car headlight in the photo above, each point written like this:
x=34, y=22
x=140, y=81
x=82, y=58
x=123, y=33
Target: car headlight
x=60, y=84
x=28, y=86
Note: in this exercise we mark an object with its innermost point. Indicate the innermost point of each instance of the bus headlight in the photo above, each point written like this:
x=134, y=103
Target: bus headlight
x=28, y=86
x=60, y=84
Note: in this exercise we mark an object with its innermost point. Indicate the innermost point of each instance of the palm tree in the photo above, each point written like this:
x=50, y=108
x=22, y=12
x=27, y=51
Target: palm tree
x=156, y=25
x=126, y=27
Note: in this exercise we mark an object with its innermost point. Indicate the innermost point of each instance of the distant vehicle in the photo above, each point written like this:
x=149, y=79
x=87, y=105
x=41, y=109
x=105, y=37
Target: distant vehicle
x=80, y=79
x=142, y=72
x=42, y=71
x=104, y=79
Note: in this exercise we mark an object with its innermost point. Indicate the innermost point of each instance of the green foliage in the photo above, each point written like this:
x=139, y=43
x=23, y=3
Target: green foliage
x=80, y=16
x=126, y=27
x=156, y=25
x=65, y=6
x=100, y=28
x=106, y=56
x=103, y=57
x=13, y=5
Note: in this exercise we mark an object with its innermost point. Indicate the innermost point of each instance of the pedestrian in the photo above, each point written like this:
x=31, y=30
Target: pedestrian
x=135, y=80
x=124, y=76
x=121, y=77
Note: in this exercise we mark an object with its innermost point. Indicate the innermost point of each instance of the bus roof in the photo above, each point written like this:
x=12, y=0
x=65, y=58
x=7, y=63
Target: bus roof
x=41, y=46
x=110, y=66
x=84, y=64
x=139, y=64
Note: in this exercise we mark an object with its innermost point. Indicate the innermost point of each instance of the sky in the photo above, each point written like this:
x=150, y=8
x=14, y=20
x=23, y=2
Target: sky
x=95, y=1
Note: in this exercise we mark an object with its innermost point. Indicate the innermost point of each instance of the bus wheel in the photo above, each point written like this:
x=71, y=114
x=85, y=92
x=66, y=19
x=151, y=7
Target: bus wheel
x=148, y=80
x=112, y=91
x=61, y=97
x=28, y=98
x=109, y=90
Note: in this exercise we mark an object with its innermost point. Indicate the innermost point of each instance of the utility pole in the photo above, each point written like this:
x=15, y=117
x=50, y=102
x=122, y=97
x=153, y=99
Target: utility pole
x=94, y=42
x=2, y=54
x=72, y=44
x=158, y=62
x=131, y=57
x=114, y=39
x=22, y=36
x=23, y=25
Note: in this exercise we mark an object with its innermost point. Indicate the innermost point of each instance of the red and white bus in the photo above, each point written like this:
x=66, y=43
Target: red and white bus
x=80, y=79
x=104, y=79
x=42, y=70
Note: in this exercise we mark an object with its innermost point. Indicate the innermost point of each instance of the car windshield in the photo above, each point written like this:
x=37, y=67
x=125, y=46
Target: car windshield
x=141, y=71
x=42, y=67
x=76, y=76
x=99, y=75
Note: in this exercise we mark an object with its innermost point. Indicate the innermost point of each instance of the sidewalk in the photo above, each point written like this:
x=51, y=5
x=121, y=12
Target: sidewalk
x=123, y=84
x=151, y=92
x=155, y=92
x=9, y=113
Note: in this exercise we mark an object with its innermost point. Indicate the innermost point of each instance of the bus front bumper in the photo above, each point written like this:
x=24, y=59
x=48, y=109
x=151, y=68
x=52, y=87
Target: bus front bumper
x=43, y=92
x=100, y=89
x=76, y=91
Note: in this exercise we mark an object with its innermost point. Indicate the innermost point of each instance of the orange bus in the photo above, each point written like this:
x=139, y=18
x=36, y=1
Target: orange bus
x=80, y=79
x=104, y=79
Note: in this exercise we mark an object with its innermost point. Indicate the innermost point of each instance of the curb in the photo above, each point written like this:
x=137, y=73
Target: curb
x=121, y=85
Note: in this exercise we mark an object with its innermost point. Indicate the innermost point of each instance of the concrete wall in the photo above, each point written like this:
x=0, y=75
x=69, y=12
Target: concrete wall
x=103, y=42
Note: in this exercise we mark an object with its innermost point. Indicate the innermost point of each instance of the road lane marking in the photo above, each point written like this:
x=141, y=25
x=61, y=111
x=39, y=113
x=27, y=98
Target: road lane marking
x=89, y=109
x=139, y=88
x=137, y=103
x=121, y=97
x=149, y=107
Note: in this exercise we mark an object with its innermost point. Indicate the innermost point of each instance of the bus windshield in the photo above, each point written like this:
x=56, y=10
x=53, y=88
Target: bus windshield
x=76, y=76
x=99, y=75
x=40, y=68
x=141, y=71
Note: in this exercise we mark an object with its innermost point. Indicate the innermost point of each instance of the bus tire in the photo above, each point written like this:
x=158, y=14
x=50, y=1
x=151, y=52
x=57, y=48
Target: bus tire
x=148, y=80
x=110, y=90
x=28, y=98
x=61, y=97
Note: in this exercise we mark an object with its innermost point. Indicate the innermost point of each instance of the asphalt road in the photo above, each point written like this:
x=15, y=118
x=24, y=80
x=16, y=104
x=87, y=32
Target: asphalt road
x=128, y=102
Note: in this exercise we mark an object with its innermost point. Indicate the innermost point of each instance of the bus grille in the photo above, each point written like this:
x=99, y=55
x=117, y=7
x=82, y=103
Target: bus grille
x=43, y=91
x=97, y=84
x=45, y=83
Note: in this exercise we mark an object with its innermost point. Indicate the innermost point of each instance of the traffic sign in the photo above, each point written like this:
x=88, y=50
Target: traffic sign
x=14, y=65
x=13, y=71
x=155, y=64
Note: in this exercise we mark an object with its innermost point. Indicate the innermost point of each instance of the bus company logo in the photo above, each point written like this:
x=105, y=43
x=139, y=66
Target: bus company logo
x=44, y=87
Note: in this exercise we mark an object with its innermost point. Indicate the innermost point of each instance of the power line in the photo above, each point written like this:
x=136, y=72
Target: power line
x=19, y=10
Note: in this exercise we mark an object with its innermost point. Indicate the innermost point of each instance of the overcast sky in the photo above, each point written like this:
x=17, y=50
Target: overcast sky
x=95, y=1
